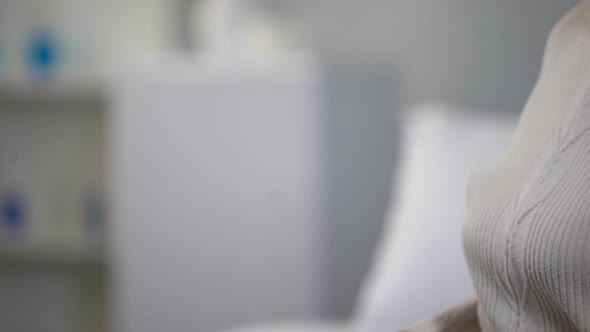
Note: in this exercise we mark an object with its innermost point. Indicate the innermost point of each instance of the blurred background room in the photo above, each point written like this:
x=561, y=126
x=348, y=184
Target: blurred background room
x=253, y=165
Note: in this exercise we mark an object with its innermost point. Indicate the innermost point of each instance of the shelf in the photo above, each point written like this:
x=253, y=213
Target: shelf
x=57, y=94
x=46, y=255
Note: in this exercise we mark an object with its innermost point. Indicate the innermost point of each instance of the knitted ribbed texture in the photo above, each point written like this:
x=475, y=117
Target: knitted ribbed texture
x=527, y=230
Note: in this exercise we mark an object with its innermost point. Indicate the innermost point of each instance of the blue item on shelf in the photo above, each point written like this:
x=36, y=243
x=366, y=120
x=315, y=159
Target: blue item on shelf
x=13, y=211
x=43, y=54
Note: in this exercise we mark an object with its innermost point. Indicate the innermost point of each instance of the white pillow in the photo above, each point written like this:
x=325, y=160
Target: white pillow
x=420, y=268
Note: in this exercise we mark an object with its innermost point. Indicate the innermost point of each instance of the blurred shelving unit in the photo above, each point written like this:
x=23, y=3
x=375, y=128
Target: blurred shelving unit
x=55, y=57
x=67, y=94
x=77, y=97
x=50, y=255
x=48, y=132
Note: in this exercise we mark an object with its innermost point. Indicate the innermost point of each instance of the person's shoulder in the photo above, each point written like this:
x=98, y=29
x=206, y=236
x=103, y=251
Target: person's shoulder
x=566, y=34
x=576, y=20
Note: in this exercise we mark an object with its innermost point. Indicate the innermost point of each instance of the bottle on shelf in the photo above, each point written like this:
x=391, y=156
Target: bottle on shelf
x=13, y=209
x=43, y=55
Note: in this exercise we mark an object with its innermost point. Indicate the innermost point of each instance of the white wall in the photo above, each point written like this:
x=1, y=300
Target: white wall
x=361, y=129
x=217, y=199
x=483, y=53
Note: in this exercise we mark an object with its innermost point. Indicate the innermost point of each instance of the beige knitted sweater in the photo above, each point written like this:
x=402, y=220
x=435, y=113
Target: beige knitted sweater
x=527, y=229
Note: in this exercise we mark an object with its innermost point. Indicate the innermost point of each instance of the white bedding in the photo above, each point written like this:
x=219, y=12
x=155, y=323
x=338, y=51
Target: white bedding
x=298, y=327
x=420, y=269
